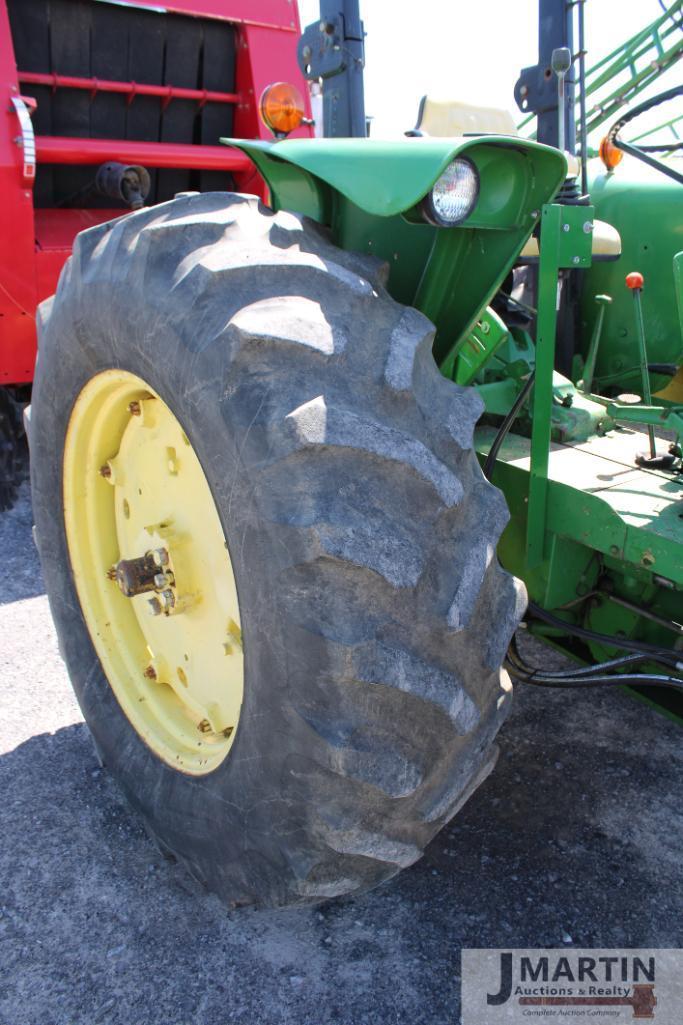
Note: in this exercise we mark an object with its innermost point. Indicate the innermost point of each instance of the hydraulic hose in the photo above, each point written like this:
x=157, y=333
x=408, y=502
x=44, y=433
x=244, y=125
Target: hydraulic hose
x=506, y=425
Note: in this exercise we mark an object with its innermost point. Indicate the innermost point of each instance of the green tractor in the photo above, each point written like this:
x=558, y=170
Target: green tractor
x=277, y=452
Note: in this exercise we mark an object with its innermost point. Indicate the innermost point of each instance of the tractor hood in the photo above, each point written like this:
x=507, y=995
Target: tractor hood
x=389, y=177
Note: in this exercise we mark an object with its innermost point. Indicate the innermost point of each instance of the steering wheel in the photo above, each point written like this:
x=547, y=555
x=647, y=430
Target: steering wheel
x=644, y=152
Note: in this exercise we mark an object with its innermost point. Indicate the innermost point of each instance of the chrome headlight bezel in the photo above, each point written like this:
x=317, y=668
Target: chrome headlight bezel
x=430, y=209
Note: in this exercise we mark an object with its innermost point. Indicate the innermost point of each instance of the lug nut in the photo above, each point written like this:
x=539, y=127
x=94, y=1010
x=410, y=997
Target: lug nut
x=150, y=673
x=159, y=557
x=134, y=408
x=204, y=726
x=105, y=471
x=111, y=573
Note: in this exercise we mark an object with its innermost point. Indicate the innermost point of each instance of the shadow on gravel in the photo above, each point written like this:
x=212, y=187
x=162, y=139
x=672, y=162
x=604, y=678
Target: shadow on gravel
x=574, y=839
x=21, y=576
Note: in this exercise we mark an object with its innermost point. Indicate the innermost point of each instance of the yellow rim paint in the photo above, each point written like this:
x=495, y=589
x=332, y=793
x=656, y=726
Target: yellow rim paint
x=133, y=485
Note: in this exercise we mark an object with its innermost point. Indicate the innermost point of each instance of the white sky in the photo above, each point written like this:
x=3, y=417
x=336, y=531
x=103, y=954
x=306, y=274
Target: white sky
x=472, y=50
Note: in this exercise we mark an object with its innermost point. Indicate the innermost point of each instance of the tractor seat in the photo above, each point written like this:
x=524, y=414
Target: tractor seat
x=444, y=118
x=606, y=245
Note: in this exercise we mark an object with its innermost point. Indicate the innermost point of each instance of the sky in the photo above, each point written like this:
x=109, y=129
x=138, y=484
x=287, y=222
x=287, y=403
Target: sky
x=471, y=50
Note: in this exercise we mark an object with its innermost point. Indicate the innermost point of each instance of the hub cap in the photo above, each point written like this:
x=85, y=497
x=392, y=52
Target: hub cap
x=152, y=571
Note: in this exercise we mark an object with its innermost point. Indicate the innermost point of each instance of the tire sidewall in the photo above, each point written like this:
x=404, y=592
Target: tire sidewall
x=187, y=372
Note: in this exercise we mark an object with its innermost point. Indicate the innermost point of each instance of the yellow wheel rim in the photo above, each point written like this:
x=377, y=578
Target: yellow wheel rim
x=153, y=572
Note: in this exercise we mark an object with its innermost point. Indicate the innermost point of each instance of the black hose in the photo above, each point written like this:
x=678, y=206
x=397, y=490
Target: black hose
x=620, y=680
x=597, y=668
x=577, y=672
x=506, y=425
x=611, y=642
x=589, y=676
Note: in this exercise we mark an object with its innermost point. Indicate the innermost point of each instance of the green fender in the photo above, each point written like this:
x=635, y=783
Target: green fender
x=388, y=177
x=368, y=191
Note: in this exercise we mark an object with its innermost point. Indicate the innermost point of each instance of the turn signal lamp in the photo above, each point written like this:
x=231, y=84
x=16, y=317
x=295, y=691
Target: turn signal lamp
x=282, y=108
x=610, y=154
x=454, y=194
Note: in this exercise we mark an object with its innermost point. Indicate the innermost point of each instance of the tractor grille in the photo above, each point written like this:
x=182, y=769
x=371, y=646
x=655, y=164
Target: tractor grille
x=104, y=41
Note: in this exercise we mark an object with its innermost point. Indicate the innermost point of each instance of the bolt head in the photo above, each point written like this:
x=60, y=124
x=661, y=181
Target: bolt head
x=204, y=726
x=565, y=227
x=587, y=227
x=134, y=408
x=576, y=259
x=150, y=673
x=160, y=557
x=105, y=471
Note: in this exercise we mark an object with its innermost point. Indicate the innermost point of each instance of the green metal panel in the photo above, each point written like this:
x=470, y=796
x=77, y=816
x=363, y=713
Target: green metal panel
x=484, y=340
x=627, y=519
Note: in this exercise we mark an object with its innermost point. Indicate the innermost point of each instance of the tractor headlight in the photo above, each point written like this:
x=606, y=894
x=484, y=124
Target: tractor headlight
x=454, y=194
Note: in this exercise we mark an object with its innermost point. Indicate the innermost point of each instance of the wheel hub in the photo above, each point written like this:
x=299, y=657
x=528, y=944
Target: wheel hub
x=153, y=572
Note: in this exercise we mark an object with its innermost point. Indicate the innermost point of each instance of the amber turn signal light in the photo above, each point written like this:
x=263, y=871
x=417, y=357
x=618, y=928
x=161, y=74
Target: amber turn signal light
x=282, y=108
x=610, y=154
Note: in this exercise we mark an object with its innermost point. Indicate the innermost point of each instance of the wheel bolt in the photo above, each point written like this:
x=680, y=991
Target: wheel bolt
x=163, y=580
x=204, y=726
x=159, y=557
x=150, y=673
x=134, y=408
x=105, y=471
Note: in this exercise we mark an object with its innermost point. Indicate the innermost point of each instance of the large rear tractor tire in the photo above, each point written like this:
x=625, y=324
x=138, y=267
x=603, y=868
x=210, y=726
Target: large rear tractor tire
x=303, y=684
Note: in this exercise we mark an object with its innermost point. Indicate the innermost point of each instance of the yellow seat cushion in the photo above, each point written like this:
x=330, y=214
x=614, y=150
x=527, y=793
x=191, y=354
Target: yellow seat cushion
x=606, y=244
x=445, y=118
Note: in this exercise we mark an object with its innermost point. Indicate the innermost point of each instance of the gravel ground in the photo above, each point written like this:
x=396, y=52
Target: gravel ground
x=575, y=839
